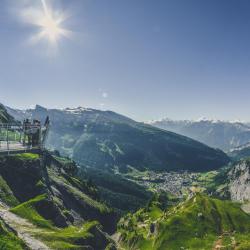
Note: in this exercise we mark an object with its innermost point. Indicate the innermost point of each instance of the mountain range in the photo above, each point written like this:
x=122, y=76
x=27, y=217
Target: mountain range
x=105, y=139
x=224, y=135
x=240, y=152
x=52, y=202
x=107, y=145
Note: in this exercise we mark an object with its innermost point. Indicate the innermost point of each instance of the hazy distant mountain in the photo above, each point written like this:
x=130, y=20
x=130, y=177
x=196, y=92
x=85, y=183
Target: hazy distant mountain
x=218, y=134
x=105, y=139
x=240, y=152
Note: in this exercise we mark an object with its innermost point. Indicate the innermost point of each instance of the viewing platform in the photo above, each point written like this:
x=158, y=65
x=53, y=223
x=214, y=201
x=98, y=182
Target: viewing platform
x=28, y=136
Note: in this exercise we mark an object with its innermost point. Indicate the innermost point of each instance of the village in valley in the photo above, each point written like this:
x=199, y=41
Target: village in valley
x=176, y=183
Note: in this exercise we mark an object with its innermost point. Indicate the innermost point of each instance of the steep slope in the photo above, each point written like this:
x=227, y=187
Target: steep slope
x=4, y=115
x=23, y=229
x=8, y=240
x=64, y=212
x=201, y=222
x=217, y=134
x=232, y=182
x=118, y=192
x=238, y=181
x=104, y=139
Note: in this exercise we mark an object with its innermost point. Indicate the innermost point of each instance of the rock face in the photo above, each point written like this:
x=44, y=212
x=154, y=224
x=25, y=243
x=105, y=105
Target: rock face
x=239, y=181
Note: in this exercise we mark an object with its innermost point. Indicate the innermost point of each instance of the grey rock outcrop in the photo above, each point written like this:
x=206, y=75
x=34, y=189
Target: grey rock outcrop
x=239, y=181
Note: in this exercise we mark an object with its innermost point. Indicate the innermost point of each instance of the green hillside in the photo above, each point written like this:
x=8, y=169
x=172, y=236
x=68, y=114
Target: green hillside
x=118, y=192
x=64, y=212
x=201, y=222
x=8, y=240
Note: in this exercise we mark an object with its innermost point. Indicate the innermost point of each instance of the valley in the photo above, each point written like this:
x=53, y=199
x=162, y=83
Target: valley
x=110, y=183
x=124, y=125
x=176, y=183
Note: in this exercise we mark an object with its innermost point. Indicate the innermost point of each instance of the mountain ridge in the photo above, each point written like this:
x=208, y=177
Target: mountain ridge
x=215, y=133
x=98, y=138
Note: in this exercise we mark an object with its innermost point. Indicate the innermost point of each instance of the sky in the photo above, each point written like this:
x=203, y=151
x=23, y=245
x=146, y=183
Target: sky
x=146, y=59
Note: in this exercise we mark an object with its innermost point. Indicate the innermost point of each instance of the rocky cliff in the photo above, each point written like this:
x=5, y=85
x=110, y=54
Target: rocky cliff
x=239, y=181
x=43, y=201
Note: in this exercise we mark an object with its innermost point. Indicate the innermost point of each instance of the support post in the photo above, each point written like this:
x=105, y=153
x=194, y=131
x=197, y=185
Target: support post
x=7, y=134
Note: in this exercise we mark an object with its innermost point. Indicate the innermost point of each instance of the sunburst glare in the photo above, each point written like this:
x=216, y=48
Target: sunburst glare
x=50, y=23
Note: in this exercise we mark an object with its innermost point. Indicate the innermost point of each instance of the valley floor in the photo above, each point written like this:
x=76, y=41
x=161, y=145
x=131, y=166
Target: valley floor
x=176, y=183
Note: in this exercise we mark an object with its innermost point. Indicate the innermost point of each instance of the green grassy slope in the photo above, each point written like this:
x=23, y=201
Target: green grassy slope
x=71, y=237
x=116, y=191
x=66, y=210
x=9, y=241
x=198, y=223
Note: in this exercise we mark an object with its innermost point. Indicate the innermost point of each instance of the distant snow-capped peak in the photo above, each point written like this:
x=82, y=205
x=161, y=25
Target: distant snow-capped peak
x=77, y=110
x=201, y=119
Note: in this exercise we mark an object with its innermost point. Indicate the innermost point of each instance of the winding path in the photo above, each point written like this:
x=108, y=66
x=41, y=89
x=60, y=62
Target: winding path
x=23, y=228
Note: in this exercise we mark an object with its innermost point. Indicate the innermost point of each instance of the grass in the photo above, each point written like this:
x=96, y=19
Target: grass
x=6, y=194
x=27, y=156
x=68, y=238
x=101, y=207
x=63, y=160
x=8, y=241
x=71, y=237
x=243, y=242
x=28, y=211
x=194, y=224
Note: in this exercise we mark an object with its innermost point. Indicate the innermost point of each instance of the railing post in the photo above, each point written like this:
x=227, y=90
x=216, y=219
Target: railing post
x=20, y=135
x=8, y=138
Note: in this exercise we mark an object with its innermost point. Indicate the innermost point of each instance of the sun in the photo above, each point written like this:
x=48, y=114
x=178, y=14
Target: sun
x=50, y=24
x=51, y=29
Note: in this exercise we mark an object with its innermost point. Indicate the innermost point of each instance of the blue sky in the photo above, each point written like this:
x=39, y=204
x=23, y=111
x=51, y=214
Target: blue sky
x=147, y=59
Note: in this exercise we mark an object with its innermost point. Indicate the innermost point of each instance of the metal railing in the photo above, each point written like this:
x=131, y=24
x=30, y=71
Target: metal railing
x=21, y=137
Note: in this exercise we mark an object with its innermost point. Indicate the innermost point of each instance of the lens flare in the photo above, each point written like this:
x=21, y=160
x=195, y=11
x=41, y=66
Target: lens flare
x=50, y=23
